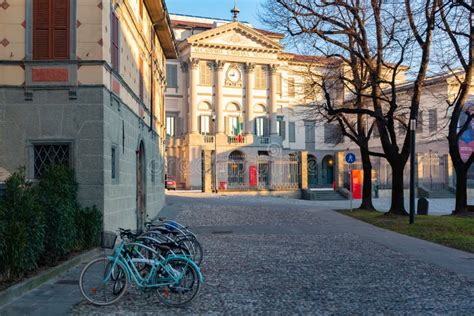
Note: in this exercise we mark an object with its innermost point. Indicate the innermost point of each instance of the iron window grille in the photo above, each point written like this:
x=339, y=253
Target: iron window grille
x=46, y=155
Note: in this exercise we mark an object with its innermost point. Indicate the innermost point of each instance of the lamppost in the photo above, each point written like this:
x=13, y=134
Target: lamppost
x=412, y=169
x=214, y=189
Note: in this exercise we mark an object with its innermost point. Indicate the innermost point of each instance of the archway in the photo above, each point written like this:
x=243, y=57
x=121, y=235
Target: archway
x=327, y=174
x=312, y=171
x=236, y=169
x=141, y=186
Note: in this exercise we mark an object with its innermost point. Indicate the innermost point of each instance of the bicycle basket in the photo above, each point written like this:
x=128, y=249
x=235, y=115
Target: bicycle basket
x=108, y=239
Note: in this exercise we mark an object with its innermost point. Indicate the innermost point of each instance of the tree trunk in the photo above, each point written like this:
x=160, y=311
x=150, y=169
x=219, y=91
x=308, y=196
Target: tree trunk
x=461, y=191
x=397, y=206
x=367, y=184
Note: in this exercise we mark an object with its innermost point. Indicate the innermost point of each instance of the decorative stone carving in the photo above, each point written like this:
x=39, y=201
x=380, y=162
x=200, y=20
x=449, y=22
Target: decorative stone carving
x=233, y=76
x=249, y=67
x=194, y=62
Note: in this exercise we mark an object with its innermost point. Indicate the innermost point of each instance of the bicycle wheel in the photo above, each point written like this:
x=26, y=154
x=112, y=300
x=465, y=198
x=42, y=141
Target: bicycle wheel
x=101, y=284
x=182, y=281
x=194, y=247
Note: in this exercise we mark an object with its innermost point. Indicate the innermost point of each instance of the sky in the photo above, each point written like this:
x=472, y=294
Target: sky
x=218, y=9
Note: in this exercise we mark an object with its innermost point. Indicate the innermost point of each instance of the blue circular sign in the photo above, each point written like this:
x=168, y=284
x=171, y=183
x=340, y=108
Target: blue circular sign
x=350, y=158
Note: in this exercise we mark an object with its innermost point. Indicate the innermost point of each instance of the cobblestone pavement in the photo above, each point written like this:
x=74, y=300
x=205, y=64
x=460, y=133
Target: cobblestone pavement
x=279, y=256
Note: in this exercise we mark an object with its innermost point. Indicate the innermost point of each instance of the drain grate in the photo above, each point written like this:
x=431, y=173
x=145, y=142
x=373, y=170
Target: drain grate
x=70, y=282
x=222, y=232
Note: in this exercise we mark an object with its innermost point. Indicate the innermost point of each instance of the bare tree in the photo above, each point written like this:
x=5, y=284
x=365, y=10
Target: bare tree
x=459, y=40
x=384, y=41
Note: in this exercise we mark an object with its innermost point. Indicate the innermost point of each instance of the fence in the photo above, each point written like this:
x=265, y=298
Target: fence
x=431, y=172
x=270, y=173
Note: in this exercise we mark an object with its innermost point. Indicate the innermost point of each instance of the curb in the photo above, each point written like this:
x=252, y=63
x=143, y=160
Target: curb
x=17, y=290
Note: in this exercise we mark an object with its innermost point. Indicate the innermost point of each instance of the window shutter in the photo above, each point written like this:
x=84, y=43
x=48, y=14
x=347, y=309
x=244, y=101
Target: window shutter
x=41, y=29
x=61, y=29
x=292, y=132
x=226, y=125
x=115, y=57
x=283, y=129
x=266, y=127
x=178, y=126
x=200, y=124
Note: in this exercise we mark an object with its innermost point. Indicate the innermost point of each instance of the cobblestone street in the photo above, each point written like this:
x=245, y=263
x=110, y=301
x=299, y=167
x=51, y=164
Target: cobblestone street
x=281, y=256
x=278, y=256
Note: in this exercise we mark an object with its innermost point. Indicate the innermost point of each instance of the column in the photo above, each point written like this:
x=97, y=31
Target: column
x=184, y=124
x=193, y=84
x=219, y=75
x=249, y=84
x=272, y=69
x=303, y=169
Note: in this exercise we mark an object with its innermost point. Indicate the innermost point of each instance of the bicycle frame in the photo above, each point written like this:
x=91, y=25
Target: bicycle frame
x=133, y=274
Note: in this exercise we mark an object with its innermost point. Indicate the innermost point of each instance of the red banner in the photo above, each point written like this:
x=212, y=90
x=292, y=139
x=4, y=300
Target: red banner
x=357, y=178
x=253, y=176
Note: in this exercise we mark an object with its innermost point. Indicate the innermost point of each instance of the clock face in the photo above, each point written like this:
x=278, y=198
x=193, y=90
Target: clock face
x=233, y=75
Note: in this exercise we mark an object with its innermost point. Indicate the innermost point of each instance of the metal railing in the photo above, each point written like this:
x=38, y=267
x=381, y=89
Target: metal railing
x=236, y=139
x=208, y=139
x=263, y=140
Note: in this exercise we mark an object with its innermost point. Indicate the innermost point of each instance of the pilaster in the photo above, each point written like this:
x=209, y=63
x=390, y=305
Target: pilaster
x=249, y=84
x=194, y=77
x=219, y=74
x=272, y=71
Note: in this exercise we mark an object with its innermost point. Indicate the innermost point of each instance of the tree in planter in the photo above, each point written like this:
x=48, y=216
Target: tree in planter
x=381, y=39
x=460, y=36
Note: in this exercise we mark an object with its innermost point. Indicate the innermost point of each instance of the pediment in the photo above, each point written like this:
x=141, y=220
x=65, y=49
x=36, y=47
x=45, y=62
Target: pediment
x=234, y=35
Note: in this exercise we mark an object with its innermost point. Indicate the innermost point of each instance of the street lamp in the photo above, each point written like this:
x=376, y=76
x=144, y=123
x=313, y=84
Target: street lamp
x=213, y=115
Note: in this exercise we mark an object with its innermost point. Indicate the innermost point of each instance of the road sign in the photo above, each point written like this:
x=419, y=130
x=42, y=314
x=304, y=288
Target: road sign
x=350, y=158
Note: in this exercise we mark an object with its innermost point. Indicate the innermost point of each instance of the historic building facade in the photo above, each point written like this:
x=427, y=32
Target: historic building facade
x=82, y=83
x=234, y=91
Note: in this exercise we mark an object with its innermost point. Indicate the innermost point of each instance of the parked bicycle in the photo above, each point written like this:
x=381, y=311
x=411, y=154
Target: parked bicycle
x=157, y=262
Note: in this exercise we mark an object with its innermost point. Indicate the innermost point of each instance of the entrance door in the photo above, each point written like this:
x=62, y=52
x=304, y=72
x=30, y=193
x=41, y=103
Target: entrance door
x=312, y=171
x=141, y=186
x=328, y=170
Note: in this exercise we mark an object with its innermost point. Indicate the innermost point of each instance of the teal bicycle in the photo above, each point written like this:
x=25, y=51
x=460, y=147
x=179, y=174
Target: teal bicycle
x=175, y=279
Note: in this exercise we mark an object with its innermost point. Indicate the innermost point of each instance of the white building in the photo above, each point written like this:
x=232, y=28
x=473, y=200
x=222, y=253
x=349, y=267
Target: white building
x=234, y=89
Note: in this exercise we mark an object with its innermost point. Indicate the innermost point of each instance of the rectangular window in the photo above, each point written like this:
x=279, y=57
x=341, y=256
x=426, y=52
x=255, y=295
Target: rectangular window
x=205, y=125
x=50, y=29
x=309, y=134
x=281, y=127
x=205, y=74
x=260, y=78
x=259, y=129
x=115, y=52
x=170, y=126
x=433, y=120
x=291, y=87
x=292, y=131
x=262, y=127
x=113, y=160
x=233, y=126
x=419, y=123
x=278, y=83
x=171, y=76
x=45, y=155
x=140, y=78
x=332, y=134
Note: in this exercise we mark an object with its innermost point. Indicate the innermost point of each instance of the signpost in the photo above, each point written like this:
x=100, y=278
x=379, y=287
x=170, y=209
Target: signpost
x=350, y=159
